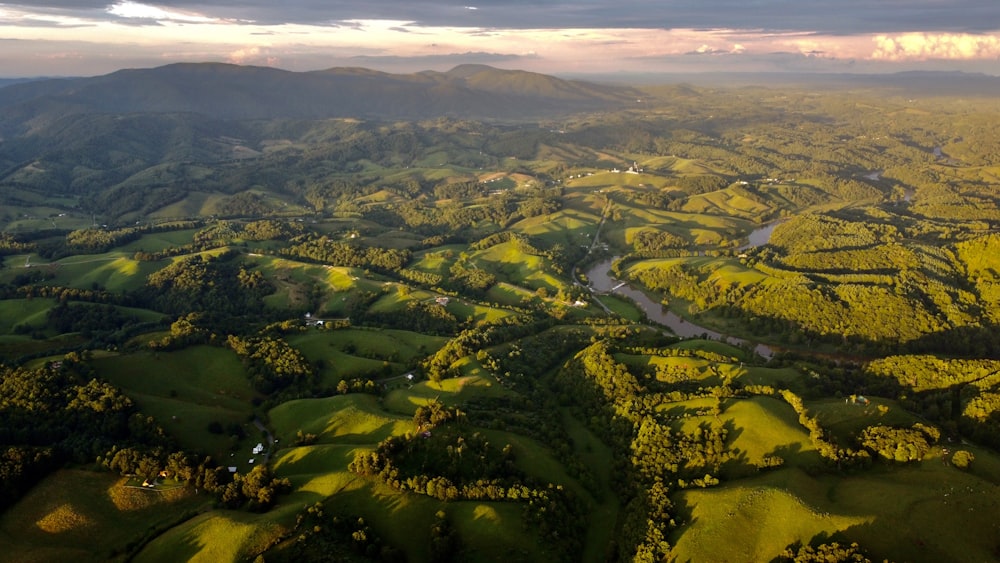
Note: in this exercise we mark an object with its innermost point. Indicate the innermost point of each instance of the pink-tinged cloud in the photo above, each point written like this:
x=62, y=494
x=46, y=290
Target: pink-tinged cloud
x=254, y=56
x=927, y=46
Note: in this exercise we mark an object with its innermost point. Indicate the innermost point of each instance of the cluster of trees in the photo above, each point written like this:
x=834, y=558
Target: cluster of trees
x=338, y=253
x=219, y=284
x=448, y=463
x=272, y=364
x=821, y=439
x=439, y=365
x=59, y=413
x=257, y=490
x=11, y=244
x=420, y=316
x=903, y=445
x=319, y=536
x=833, y=552
x=86, y=318
x=653, y=240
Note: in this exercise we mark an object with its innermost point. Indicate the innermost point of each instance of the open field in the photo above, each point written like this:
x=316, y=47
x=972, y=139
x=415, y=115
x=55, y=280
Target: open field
x=187, y=390
x=350, y=419
x=927, y=512
x=89, y=516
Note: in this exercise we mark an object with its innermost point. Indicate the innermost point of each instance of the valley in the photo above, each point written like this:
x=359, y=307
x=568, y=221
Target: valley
x=484, y=334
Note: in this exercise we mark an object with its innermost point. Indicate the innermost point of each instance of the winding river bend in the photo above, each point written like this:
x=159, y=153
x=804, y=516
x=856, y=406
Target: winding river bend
x=601, y=281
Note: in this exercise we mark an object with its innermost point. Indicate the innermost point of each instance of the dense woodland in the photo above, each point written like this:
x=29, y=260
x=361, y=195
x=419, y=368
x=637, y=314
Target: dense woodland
x=284, y=254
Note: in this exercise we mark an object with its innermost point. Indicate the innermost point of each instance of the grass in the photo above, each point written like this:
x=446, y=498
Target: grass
x=28, y=312
x=767, y=426
x=449, y=391
x=923, y=512
x=622, y=307
x=753, y=521
x=185, y=391
x=356, y=352
x=154, y=242
x=87, y=516
x=343, y=419
x=215, y=536
x=845, y=419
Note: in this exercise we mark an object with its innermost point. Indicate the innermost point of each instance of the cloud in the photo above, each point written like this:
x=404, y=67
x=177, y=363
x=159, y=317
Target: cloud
x=840, y=17
x=925, y=46
x=256, y=56
x=704, y=49
x=129, y=9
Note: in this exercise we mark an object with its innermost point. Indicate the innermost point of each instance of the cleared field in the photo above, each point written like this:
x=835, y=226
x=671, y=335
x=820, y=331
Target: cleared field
x=221, y=535
x=160, y=241
x=766, y=426
x=711, y=346
x=508, y=261
x=75, y=515
x=924, y=512
x=26, y=312
x=448, y=391
x=187, y=390
x=343, y=419
x=355, y=352
x=845, y=419
x=296, y=281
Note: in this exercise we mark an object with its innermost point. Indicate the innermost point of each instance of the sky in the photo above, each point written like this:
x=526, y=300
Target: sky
x=93, y=37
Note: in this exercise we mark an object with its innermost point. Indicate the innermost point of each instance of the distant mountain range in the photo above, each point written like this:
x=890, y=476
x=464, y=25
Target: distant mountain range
x=225, y=91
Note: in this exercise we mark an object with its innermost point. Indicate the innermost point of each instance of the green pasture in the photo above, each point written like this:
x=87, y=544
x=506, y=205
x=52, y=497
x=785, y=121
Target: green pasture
x=41, y=216
x=569, y=227
x=404, y=519
x=846, y=420
x=506, y=260
x=294, y=282
x=699, y=228
x=487, y=529
x=111, y=271
x=154, y=242
x=19, y=346
x=185, y=390
x=928, y=511
x=194, y=204
x=28, y=312
x=535, y=459
x=693, y=368
x=84, y=516
x=452, y=391
x=115, y=270
x=775, y=377
x=396, y=297
x=354, y=418
x=390, y=344
x=509, y=295
x=598, y=458
x=622, y=307
x=216, y=536
x=495, y=531
x=303, y=464
x=767, y=426
x=372, y=351
x=714, y=346
x=395, y=239
x=437, y=260
x=726, y=202
x=479, y=313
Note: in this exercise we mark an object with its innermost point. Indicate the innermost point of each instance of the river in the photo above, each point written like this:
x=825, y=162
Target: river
x=601, y=281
